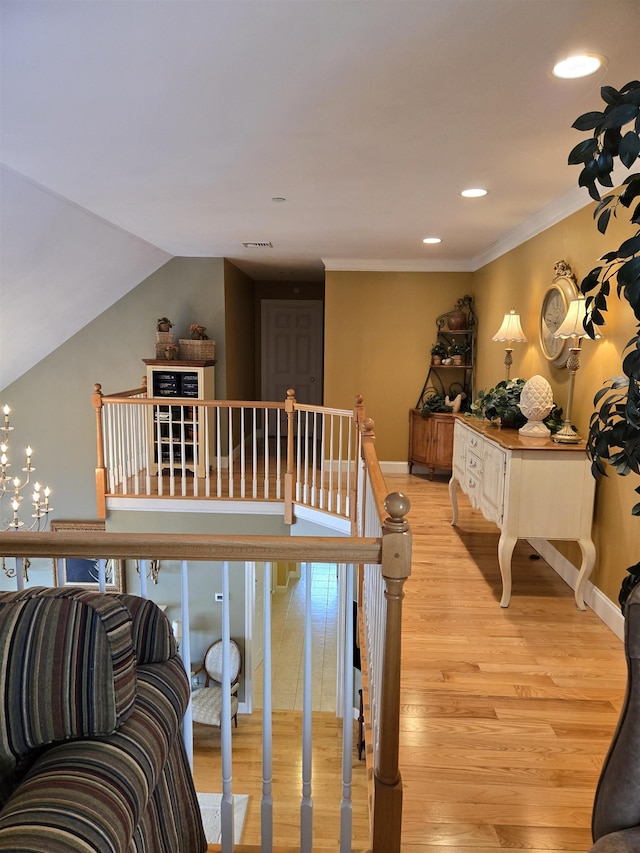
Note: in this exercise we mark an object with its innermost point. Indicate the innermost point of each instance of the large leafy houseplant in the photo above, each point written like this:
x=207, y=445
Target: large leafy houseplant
x=502, y=403
x=614, y=428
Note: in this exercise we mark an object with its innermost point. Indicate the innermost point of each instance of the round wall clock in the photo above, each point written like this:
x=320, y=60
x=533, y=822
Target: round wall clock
x=553, y=310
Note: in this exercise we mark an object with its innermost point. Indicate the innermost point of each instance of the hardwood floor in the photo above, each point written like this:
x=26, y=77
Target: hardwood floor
x=506, y=714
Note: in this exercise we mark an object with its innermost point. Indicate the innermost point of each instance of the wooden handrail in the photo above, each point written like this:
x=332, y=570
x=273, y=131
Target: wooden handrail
x=178, y=546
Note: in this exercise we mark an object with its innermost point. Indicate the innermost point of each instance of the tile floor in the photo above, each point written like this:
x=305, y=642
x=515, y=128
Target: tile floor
x=287, y=642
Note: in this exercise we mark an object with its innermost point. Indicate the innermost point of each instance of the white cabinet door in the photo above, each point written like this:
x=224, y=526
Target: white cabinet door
x=494, y=466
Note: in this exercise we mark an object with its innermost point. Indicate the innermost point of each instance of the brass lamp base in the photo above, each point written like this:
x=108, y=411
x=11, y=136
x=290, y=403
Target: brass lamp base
x=566, y=435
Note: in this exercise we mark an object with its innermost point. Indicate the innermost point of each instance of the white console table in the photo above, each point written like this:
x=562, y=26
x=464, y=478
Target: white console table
x=530, y=487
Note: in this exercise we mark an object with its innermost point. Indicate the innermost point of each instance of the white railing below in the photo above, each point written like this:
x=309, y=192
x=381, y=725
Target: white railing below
x=286, y=452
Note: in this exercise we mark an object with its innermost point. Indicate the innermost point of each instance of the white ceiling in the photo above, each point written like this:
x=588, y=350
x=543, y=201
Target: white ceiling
x=178, y=121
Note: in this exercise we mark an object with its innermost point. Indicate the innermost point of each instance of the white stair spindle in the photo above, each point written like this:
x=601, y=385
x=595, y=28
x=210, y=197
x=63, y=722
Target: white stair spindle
x=266, y=804
x=346, y=804
x=185, y=652
x=226, y=806
x=306, y=805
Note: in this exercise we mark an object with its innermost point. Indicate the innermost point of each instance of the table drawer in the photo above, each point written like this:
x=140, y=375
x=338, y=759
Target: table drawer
x=474, y=464
x=473, y=489
x=475, y=443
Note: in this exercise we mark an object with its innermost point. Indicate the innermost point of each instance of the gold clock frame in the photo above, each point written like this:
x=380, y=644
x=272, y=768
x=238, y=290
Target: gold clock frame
x=565, y=285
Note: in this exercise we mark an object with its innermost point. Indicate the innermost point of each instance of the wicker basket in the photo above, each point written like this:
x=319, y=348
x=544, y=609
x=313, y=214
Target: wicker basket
x=197, y=350
x=164, y=338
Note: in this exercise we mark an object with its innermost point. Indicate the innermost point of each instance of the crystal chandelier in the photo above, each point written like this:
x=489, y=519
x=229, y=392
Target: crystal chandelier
x=12, y=487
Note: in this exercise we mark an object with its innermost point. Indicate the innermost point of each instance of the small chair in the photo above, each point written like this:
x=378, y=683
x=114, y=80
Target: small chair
x=206, y=702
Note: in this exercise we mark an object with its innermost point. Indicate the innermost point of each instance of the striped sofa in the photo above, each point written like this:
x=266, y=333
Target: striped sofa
x=91, y=753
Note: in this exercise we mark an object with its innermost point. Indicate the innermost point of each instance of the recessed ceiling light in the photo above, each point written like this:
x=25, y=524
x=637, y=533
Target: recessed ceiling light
x=473, y=193
x=580, y=65
x=432, y=240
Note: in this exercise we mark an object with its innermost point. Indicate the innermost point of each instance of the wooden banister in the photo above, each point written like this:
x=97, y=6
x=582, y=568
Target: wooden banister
x=101, y=470
x=289, y=407
x=396, y=568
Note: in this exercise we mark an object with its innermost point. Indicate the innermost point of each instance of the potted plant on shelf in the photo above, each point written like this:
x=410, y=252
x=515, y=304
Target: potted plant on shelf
x=438, y=352
x=435, y=403
x=198, y=332
x=171, y=352
x=614, y=428
x=457, y=351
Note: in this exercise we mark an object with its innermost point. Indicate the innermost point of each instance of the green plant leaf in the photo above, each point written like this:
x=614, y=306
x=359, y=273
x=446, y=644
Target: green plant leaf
x=589, y=121
x=605, y=162
x=590, y=280
x=609, y=94
x=629, y=247
x=583, y=151
x=611, y=140
x=600, y=301
x=632, y=191
x=619, y=116
x=633, y=95
x=629, y=272
x=633, y=84
x=603, y=220
x=629, y=149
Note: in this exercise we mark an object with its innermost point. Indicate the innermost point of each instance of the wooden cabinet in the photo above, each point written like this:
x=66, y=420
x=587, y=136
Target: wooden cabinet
x=530, y=487
x=180, y=431
x=430, y=440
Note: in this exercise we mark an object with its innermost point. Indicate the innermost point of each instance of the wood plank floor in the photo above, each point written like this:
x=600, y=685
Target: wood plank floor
x=506, y=713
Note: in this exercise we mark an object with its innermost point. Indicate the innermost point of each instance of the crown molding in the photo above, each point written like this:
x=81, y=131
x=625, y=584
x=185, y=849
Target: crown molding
x=380, y=265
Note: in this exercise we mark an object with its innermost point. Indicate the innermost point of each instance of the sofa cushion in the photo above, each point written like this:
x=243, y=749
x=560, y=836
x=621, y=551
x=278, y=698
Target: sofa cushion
x=91, y=794
x=67, y=670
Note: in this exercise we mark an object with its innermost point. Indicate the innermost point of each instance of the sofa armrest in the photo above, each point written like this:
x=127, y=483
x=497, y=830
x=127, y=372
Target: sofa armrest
x=68, y=671
x=152, y=637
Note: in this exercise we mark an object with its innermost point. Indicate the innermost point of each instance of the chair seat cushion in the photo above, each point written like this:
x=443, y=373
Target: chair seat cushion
x=206, y=706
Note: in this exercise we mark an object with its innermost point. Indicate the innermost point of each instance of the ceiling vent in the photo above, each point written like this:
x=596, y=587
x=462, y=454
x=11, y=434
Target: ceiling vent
x=258, y=244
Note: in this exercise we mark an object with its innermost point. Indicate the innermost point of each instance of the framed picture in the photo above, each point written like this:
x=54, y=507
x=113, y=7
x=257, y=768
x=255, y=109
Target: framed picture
x=84, y=571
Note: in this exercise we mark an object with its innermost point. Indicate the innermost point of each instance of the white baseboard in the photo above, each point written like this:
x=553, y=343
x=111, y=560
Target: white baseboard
x=602, y=606
x=394, y=467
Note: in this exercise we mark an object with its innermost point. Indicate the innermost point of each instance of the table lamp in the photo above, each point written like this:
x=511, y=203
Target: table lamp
x=511, y=332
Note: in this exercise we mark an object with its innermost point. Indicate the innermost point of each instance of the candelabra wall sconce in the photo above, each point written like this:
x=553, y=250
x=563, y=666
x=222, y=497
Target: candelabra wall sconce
x=11, y=572
x=12, y=488
x=152, y=569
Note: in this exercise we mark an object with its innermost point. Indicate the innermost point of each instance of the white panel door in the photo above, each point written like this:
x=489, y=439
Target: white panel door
x=292, y=349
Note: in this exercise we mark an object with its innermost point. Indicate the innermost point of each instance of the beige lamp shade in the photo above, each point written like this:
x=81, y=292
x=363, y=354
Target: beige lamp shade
x=510, y=330
x=573, y=324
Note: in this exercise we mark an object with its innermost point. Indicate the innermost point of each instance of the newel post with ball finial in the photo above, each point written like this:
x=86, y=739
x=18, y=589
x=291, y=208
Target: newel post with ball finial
x=396, y=568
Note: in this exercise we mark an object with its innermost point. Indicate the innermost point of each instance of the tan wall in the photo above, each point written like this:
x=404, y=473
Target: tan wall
x=239, y=321
x=379, y=329
x=519, y=279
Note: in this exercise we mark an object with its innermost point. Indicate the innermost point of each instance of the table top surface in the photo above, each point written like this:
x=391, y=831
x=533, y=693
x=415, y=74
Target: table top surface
x=511, y=439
